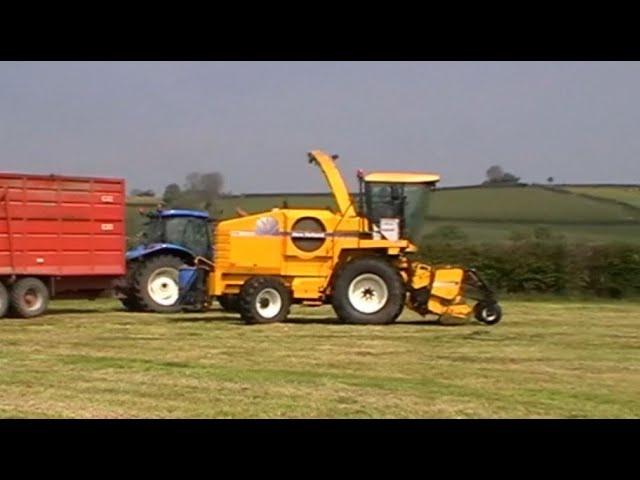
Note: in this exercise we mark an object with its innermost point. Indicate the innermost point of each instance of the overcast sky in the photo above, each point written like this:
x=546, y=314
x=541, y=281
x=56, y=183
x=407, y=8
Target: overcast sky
x=154, y=122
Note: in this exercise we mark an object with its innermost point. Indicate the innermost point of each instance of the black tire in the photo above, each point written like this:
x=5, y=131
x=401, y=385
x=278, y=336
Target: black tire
x=487, y=313
x=4, y=300
x=385, y=272
x=130, y=304
x=265, y=287
x=229, y=303
x=29, y=297
x=141, y=295
x=125, y=289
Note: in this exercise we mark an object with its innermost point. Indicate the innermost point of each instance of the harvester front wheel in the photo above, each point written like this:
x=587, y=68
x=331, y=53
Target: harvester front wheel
x=4, y=300
x=29, y=297
x=368, y=291
x=264, y=300
x=488, y=313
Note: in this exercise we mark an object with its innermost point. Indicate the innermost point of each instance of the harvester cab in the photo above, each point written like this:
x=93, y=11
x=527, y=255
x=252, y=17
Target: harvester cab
x=395, y=203
x=354, y=258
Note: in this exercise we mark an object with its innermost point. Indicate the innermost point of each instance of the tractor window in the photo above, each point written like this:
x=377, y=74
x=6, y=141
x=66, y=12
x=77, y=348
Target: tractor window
x=153, y=230
x=197, y=237
x=190, y=233
x=175, y=229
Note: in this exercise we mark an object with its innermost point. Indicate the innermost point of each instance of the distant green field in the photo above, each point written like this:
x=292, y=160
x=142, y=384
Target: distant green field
x=525, y=204
x=483, y=214
x=629, y=195
x=517, y=204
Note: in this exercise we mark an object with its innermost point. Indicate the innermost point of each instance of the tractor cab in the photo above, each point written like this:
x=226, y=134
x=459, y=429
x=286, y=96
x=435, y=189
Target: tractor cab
x=186, y=229
x=395, y=203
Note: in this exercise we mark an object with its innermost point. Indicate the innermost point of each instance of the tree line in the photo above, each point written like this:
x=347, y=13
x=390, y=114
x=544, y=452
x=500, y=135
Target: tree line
x=199, y=191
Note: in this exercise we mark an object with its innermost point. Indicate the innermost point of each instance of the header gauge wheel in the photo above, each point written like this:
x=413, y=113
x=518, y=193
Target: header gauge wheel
x=488, y=313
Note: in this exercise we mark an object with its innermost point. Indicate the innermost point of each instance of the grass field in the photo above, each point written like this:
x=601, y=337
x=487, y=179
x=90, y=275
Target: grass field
x=530, y=204
x=629, y=195
x=496, y=232
x=546, y=359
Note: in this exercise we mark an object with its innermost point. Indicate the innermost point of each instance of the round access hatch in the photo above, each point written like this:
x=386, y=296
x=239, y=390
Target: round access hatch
x=308, y=234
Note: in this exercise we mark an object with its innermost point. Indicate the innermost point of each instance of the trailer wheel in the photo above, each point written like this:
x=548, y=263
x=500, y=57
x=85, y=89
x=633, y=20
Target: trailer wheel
x=488, y=313
x=229, y=303
x=368, y=291
x=4, y=300
x=29, y=297
x=264, y=300
x=156, y=286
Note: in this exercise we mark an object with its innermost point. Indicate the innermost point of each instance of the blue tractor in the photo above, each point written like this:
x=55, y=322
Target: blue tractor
x=170, y=240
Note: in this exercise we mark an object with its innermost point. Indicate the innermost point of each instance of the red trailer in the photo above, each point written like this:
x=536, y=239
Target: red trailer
x=60, y=236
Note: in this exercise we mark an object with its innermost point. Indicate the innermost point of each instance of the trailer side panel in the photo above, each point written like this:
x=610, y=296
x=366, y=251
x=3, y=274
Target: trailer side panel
x=54, y=225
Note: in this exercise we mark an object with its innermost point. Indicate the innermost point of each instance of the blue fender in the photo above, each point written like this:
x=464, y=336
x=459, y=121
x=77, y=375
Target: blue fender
x=144, y=250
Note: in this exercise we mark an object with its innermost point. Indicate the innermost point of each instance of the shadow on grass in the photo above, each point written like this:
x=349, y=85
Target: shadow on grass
x=314, y=320
x=70, y=311
x=206, y=319
x=335, y=321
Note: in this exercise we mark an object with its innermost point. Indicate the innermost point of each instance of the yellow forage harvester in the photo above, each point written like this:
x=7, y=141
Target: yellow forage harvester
x=354, y=257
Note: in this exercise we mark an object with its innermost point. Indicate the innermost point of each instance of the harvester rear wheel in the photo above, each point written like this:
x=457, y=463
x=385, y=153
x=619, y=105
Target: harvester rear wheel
x=29, y=297
x=156, y=287
x=368, y=291
x=229, y=303
x=488, y=313
x=4, y=300
x=264, y=300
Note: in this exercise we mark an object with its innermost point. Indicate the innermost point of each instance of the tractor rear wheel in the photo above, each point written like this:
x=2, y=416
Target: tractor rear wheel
x=4, y=300
x=368, y=290
x=29, y=297
x=130, y=304
x=124, y=289
x=156, y=286
x=264, y=300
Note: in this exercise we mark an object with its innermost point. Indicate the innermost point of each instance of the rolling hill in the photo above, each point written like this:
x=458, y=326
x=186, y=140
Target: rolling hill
x=579, y=213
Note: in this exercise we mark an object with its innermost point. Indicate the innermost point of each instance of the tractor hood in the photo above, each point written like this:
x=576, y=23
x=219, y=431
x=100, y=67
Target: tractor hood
x=143, y=250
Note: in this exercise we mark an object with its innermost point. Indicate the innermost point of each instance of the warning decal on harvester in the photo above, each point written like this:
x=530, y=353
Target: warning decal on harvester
x=390, y=229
